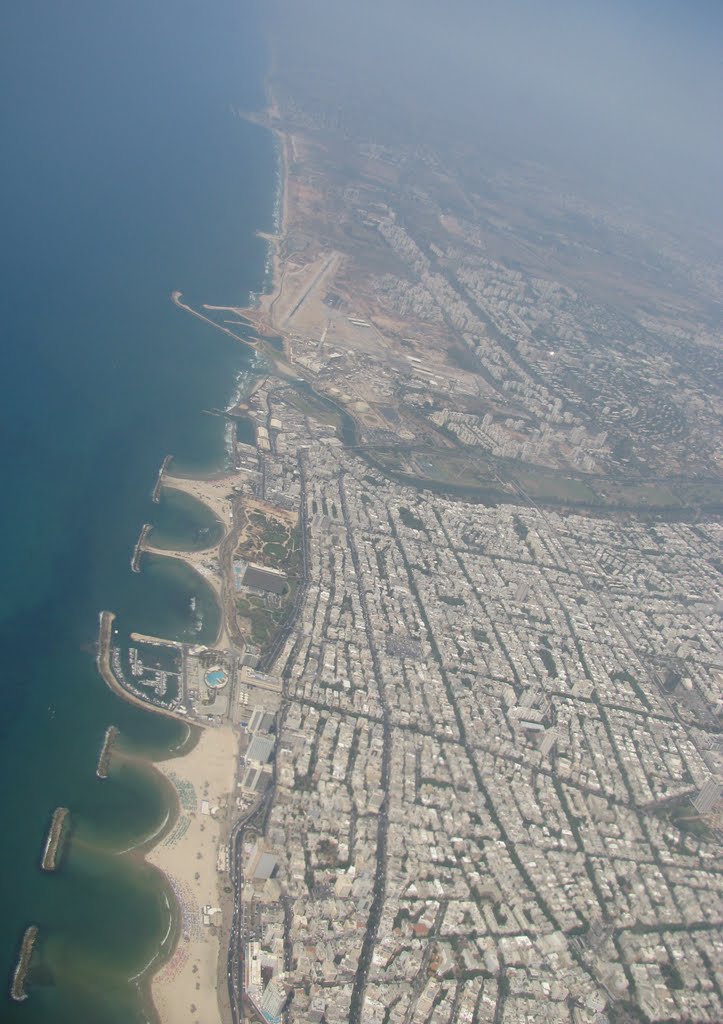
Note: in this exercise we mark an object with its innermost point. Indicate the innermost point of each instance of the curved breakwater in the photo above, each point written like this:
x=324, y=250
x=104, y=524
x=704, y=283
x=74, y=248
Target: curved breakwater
x=111, y=673
x=27, y=945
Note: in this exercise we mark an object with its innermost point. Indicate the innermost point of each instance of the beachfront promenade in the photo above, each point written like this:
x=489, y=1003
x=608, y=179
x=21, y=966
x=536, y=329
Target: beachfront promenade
x=188, y=856
x=195, y=852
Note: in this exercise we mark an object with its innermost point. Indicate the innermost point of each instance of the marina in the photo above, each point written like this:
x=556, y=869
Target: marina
x=109, y=667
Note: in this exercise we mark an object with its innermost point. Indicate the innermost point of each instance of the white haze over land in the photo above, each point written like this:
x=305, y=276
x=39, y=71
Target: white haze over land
x=623, y=95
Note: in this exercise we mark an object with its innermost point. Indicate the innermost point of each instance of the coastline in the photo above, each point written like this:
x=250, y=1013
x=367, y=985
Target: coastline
x=183, y=973
x=191, y=852
x=187, y=855
x=145, y=381
x=260, y=315
x=315, y=702
x=211, y=491
x=276, y=239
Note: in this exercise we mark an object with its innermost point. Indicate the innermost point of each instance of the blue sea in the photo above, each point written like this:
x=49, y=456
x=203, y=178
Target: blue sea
x=126, y=174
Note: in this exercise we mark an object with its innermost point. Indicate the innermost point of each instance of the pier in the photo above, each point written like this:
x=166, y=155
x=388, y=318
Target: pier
x=155, y=641
x=17, y=988
x=53, y=843
x=111, y=734
x=156, y=496
x=140, y=545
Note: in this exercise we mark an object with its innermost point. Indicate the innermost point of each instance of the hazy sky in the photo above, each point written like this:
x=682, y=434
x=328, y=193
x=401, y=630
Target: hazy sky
x=617, y=87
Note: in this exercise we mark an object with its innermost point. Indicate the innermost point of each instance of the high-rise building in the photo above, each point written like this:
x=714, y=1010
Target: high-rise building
x=272, y=1001
x=252, y=969
x=708, y=796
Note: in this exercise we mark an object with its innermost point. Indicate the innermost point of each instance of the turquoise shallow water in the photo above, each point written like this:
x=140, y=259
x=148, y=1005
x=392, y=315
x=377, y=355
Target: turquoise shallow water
x=183, y=523
x=125, y=176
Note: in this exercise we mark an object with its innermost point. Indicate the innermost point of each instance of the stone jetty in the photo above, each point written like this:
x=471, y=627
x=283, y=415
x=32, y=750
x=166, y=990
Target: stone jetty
x=159, y=481
x=58, y=827
x=138, y=549
x=111, y=734
x=17, y=988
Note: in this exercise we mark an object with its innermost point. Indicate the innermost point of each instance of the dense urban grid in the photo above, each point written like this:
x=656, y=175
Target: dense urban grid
x=492, y=718
x=470, y=580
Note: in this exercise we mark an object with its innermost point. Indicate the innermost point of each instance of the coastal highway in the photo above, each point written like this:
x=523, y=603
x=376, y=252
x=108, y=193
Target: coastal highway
x=255, y=821
x=235, y=960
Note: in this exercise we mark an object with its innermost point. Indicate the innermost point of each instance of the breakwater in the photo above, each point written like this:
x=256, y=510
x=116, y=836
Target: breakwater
x=156, y=496
x=139, y=545
x=176, y=299
x=138, y=549
x=155, y=641
x=111, y=734
x=57, y=830
x=17, y=988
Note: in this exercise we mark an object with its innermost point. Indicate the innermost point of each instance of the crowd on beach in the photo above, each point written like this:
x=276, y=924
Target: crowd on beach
x=174, y=965
x=186, y=792
x=191, y=926
x=178, y=832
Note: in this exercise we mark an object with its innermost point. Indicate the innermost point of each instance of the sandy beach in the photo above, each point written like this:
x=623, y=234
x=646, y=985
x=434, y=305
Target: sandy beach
x=185, y=989
x=213, y=492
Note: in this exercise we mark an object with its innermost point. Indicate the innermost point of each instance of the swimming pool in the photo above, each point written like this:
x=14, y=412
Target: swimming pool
x=216, y=678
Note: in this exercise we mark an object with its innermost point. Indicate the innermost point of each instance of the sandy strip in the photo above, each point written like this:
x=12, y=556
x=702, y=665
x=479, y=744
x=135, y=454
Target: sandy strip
x=185, y=989
x=267, y=302
x=213, y=492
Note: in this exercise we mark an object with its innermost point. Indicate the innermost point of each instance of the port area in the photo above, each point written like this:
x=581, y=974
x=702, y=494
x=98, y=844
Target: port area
x=176, y=298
